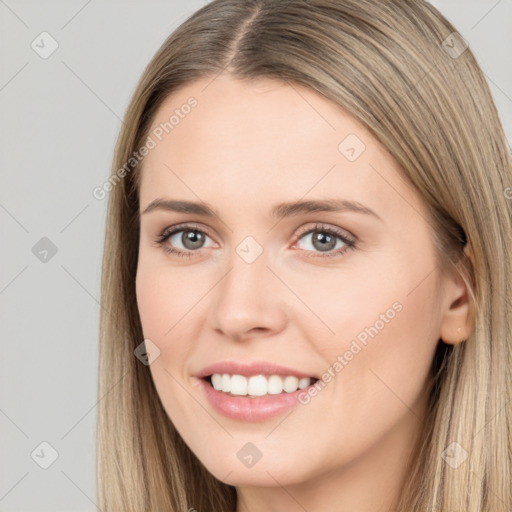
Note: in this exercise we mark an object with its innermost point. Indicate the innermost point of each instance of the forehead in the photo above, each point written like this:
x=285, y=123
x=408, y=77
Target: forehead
x=251, y=140
x=262, y=110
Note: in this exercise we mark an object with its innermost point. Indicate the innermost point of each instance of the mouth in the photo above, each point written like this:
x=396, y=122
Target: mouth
x=254, y=391
x=256, y=386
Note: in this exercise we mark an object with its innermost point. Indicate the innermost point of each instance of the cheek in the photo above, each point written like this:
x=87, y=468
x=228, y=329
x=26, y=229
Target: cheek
x=170, y=302
x=164, y=304
x=163, y=313
x=152, y=301
x=386, y=337
x=165, y=300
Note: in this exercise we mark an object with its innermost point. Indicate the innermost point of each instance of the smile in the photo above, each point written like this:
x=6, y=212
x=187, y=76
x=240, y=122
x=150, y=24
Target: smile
x=258, y=385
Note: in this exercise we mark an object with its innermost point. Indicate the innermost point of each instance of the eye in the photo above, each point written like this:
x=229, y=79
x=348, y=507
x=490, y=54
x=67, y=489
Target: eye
x=191, y=237
x=325, y=239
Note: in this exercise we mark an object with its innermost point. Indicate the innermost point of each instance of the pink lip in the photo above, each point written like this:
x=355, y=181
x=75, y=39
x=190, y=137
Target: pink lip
x=255, y=368
x=244, y=408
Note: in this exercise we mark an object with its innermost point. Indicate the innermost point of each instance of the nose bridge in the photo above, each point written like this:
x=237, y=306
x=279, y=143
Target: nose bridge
x=245, y=280
x=245, y=298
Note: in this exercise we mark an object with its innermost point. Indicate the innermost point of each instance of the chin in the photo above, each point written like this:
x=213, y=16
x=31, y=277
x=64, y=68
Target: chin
x=270, y=473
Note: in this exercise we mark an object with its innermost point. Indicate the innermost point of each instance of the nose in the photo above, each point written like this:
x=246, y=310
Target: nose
x=249, y=300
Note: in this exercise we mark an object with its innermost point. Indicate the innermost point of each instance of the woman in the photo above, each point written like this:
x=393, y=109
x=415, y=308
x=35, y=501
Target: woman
x=242, y=369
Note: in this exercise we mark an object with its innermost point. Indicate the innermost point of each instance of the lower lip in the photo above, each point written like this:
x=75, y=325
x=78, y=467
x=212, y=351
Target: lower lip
x=244, y=408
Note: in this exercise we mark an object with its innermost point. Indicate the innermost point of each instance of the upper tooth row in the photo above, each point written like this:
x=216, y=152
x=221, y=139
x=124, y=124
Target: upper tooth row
x=258, y=385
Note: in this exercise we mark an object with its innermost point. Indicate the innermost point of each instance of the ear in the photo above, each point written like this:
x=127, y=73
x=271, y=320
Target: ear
x=457, y=316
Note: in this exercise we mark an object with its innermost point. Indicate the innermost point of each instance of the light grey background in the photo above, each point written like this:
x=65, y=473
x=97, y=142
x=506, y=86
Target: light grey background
x=59, y=119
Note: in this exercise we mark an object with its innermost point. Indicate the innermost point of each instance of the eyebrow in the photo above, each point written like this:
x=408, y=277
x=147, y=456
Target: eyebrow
x=279, y=211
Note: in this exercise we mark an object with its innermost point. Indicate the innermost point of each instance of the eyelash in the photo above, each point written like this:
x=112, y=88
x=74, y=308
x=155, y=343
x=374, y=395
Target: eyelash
x=164, y=236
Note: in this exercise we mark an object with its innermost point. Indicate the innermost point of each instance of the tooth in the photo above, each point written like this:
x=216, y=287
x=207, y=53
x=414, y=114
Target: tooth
x=275, y=385
x=238, y=385
x=290, y=384
x=226, y=383
x=304, y=382
x=257, y=385
x=217, y=381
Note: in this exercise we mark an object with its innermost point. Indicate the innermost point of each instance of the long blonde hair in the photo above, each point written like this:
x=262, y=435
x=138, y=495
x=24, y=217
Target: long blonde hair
x=398, y=68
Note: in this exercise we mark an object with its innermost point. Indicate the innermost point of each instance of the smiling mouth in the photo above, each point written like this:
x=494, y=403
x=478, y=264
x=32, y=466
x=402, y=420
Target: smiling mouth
x=257, y=385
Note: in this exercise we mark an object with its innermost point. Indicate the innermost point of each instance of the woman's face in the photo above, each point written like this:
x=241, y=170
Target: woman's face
x=350, y=296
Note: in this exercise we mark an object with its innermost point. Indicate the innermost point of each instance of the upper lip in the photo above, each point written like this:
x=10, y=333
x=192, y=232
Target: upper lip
x=249, y=369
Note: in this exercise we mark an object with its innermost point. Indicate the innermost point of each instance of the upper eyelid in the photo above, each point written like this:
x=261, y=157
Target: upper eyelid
x=184, y=227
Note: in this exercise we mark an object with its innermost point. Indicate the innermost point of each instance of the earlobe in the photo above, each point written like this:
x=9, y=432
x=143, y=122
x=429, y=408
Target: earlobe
x=457, y=318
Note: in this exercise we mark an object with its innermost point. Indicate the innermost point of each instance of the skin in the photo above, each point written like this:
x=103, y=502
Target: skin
x=246, y=147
